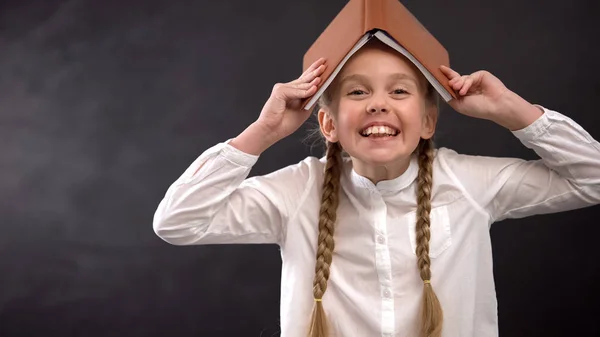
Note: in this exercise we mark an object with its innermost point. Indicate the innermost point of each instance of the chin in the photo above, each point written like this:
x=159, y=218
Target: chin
x=383, y=157
x=382, y=152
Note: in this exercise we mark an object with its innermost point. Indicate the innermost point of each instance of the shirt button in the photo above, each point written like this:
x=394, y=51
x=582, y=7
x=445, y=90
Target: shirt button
x=380, y=239
x=387, y=293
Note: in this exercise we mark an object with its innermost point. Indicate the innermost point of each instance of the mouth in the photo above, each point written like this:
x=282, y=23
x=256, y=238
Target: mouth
x=379, y=131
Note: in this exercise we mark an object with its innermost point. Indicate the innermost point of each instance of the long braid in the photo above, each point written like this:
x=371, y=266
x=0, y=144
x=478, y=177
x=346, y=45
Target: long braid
x=431, y=314
x=327, y=217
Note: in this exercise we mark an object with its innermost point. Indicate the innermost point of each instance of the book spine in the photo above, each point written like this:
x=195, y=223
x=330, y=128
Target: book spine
x=373, y=11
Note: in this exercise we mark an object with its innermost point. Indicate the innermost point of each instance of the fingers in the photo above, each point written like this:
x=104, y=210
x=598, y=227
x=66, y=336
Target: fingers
x=461, y=84
x=304, y=86
x=451, y=74
x=468, y=82
x=308, y=77
x=307, y=85
x=288, y=91
x=316, y=69
x=315, y=65
x=457, y=83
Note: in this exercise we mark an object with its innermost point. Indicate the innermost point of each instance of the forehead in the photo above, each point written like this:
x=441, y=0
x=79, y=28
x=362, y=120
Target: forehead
x=378, y=61
x=365, y=78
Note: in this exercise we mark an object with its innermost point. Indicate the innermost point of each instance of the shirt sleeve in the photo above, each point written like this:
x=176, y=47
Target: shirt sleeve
x=214, y=201
x=565, y=177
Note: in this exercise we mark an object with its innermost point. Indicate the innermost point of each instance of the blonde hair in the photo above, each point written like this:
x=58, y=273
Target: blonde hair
x=431, y=311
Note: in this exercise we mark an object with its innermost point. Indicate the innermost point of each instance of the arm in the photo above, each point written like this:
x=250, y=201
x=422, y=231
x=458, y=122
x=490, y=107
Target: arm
x=566, y=177
x=214, y=202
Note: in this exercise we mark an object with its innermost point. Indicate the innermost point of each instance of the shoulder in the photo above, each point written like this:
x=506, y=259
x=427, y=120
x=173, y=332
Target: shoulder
x=450, y=159
x=455, y=168
x=293, y=178
x=474, y=174
x=301, y=170
x=458, y=176
x=447, y=154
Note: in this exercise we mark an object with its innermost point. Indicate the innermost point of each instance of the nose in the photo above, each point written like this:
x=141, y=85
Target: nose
x=377, y=105
x=375, y=109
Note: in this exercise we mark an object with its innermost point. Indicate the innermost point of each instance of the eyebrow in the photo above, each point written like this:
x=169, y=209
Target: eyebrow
x=363, y=78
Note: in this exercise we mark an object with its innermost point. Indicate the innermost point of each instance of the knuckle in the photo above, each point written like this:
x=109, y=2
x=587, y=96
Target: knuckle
x=279, y=90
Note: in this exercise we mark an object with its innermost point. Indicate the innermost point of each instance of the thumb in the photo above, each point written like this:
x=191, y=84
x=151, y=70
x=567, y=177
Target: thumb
x=455, y=104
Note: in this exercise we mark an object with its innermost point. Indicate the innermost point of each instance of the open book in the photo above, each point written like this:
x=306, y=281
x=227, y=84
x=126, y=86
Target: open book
x=389, y=21
x=381, y=35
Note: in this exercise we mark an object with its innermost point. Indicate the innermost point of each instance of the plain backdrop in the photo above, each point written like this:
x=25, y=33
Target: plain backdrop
x=103, y=104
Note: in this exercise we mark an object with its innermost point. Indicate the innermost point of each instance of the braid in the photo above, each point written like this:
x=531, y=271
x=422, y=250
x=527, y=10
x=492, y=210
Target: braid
x=327, y=217
x=431, y=315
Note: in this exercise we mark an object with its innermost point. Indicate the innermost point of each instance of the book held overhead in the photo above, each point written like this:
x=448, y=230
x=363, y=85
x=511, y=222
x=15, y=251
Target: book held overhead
x=390, y=22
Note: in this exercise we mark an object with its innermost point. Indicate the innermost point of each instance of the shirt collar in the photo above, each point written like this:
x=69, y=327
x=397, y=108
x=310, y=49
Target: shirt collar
x=388, y=186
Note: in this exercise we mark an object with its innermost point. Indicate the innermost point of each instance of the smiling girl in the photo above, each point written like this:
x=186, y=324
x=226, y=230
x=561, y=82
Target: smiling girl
x=385, y=235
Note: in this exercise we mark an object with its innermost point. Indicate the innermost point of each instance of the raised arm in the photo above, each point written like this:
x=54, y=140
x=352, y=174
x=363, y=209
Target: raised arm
x=567, y=175
x=214, y=201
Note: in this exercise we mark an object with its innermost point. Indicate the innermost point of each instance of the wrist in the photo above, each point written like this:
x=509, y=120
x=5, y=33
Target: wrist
x=254, y=140
x=515, y=113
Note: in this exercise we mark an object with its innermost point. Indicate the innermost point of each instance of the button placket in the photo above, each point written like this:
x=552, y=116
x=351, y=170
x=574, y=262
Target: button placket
x=384, y=267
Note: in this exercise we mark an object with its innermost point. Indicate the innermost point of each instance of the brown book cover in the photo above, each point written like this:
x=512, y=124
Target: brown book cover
x=391, y=22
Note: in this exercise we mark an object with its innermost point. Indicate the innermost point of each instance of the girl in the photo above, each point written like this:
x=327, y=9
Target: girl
x=385, y=236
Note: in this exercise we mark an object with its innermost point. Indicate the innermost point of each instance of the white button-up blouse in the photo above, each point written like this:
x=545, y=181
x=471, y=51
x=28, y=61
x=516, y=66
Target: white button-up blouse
x=374, y=287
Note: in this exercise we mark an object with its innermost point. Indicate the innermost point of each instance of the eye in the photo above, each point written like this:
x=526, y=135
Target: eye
x=356, y=92
x=400, y=91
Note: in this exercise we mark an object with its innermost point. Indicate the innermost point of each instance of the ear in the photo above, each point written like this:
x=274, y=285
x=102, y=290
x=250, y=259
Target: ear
x=429, y=121
x=327, y=125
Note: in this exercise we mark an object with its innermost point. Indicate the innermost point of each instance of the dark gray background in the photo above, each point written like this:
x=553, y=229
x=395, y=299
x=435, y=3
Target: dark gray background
x=104, y=103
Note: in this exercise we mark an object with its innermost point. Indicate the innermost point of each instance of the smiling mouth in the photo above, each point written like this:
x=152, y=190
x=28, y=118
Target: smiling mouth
x=379, y=131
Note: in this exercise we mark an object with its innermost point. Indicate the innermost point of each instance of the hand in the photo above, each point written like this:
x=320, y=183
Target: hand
x=283, y=114
x=482, y=95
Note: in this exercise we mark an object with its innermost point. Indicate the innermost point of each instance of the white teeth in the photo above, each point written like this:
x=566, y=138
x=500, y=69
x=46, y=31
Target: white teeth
x=379, y=130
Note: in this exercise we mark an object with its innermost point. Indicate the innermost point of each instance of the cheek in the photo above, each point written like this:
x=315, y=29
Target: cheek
x=413, y=121
x=343, y=131
x=347, y=123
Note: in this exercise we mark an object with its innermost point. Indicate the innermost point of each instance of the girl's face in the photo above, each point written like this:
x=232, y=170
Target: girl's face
x=379, y=111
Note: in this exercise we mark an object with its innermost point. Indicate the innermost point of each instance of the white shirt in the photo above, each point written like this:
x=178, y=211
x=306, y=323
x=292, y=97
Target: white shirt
x=374, y=287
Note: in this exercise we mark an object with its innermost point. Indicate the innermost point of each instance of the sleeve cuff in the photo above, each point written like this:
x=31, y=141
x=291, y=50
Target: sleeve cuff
x=236, y=156
x=537, y=128
x=223, y=150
